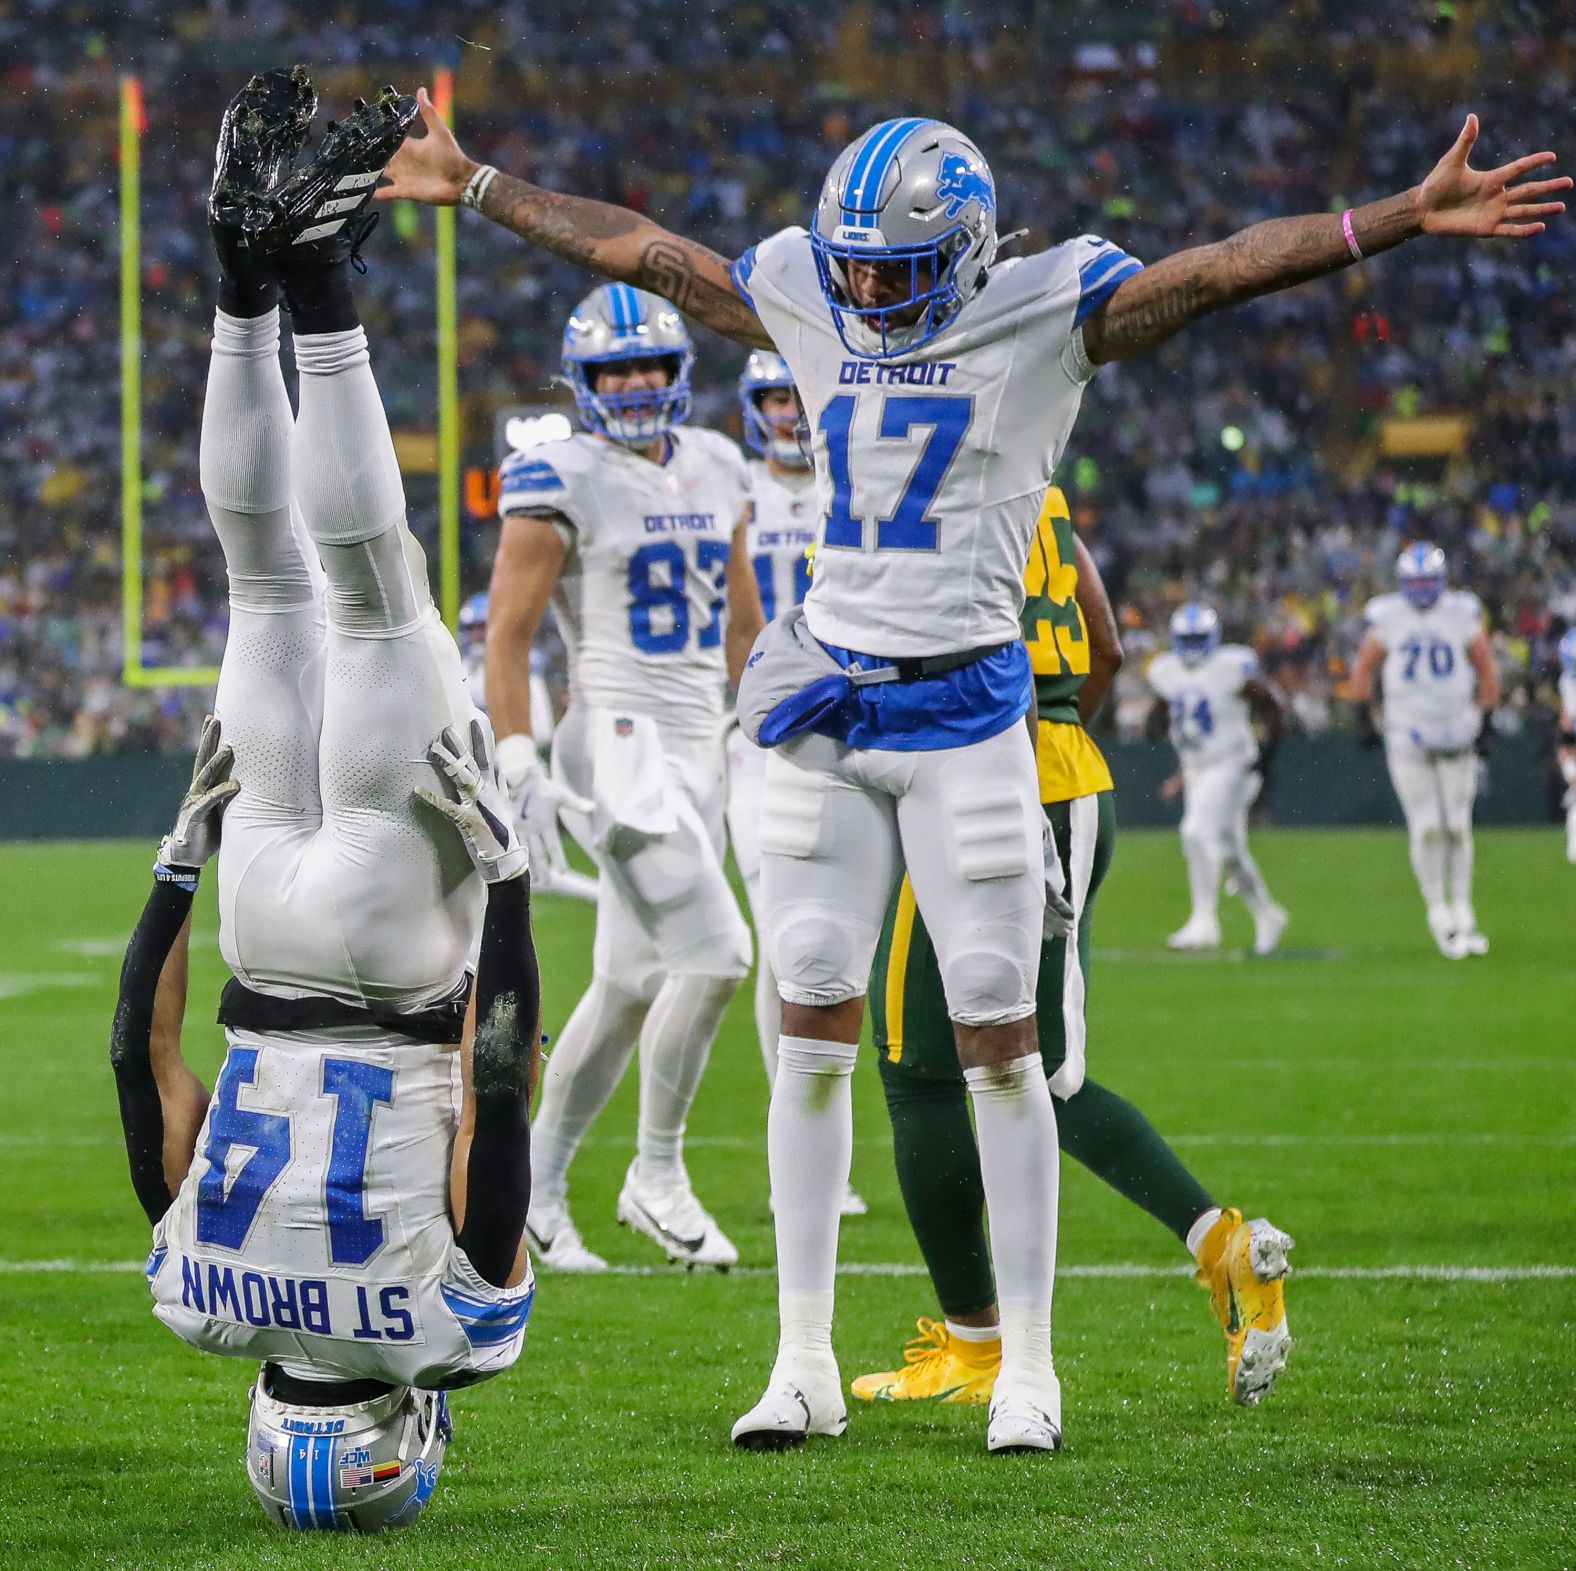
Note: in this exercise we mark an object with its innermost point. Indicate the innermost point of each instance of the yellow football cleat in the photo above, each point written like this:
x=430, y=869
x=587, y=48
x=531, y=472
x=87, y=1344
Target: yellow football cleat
x=937, y=1367
x=1243, y=1265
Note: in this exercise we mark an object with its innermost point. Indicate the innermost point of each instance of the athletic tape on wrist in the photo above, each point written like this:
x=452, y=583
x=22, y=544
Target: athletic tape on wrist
x=1351, y=237
x=476, y=186
x=184, y=877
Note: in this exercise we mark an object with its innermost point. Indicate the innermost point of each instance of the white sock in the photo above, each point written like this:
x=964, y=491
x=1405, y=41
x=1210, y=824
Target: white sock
x=1459, y=869
x=675, y=1043
x=1428, y=863
x=809, y=1147
x=582, y=1072
x=1203, y=878
x=973, y=1333
x=1019, y=1162
x=805, y=1325
x=1200, y=1230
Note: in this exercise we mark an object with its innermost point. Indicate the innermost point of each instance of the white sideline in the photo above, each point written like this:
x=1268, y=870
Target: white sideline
x=1116, y=1269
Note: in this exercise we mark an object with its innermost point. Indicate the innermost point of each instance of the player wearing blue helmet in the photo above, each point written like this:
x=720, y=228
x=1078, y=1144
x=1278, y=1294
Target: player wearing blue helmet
x=1208, y=695
x=1427, y=649
x=942, y=383
x=634, y=530
x=1565, y=750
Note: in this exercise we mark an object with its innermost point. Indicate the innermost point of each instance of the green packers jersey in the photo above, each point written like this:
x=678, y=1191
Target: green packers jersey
x=1053, y=625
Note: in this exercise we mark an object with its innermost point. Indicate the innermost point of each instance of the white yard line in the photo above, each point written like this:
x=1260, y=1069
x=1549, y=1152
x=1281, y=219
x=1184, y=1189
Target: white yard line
x=1114, y=1270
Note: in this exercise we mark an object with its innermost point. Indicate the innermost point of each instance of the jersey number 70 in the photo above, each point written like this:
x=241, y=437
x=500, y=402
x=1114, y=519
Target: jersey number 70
x=908, y=527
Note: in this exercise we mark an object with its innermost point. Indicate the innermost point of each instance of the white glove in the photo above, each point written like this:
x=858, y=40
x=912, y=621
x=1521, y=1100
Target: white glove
x=195, y=836
x=537, y=799
x=481, y=810
x=1058, y=913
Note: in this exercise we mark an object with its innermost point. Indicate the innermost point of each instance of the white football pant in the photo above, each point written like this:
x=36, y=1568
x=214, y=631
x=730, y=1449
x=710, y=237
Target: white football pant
x=337, y=674
x=1436, y=792
x=1216, y=799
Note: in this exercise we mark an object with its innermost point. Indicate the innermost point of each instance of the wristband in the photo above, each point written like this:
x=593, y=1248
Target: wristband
x=1351, y=238
x=182, y=877
x=476, y=186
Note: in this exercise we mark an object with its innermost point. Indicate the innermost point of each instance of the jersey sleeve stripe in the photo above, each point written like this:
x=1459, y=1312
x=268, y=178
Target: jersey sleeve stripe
x=740, y=274
x=1099, y=287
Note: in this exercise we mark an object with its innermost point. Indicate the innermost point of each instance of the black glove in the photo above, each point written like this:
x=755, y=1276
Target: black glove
x=1485, y=737
x=1367, y=731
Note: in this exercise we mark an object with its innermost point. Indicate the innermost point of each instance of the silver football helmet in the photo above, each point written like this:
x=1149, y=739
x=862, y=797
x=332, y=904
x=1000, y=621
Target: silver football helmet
x=618, y=322
x=788, y=444
x=1420, y=573
x=918, y=196
x=1195, y=631
x=355, y=1469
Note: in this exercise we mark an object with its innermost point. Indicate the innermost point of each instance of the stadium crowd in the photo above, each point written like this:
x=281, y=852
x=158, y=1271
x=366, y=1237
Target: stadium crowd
x=1242, y=463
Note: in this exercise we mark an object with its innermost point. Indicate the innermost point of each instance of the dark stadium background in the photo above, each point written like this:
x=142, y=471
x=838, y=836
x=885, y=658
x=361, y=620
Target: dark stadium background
x=1250, y=461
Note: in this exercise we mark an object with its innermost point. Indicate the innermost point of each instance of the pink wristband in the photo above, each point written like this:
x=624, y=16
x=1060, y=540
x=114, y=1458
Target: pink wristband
x=1351, y=239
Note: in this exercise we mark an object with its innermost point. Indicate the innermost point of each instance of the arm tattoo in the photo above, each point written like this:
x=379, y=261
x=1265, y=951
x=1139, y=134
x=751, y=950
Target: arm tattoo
x=1151, y=306
x=621, y=244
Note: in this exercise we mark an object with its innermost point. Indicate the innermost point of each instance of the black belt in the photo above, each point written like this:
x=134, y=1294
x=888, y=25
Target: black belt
x=320, y=1393
x=244, y=1010
x=918, y=669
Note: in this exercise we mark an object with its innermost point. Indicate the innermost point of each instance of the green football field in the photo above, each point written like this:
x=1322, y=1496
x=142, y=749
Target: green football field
x=1411, y=1121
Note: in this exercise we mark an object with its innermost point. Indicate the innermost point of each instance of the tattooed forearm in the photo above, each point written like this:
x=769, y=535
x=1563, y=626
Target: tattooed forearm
x=623, y=245
x=1153, y=305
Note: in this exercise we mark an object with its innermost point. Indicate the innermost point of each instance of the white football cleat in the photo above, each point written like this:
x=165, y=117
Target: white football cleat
x=554, y=1241
x=1268, y=925
x=1471, y=942
x=1443, y=926
x=671, y=1216
x=1025, y=1418
x=803, y=1398
x=1195, y=934
x=853, y=1203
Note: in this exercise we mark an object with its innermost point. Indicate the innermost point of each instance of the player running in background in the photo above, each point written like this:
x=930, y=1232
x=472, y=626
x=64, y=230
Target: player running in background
x=781, y=535
x=1208, y=694
x=1565, y=750
x=942, y=383
x=1075, y=651
x=1428, y=650
x=349, y=1207
x=635, y=530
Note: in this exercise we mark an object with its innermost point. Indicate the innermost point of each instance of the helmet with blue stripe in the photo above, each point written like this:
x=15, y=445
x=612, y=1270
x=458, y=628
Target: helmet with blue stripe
x=917, y=198
x=783, y=439
x=1195, y=631
x=357, y=1468
x=1420, y=574
x=1567, y=649
x=473, y=614
x=615, y=324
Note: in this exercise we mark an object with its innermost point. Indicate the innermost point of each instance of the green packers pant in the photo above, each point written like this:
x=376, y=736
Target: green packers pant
x=933, y=1137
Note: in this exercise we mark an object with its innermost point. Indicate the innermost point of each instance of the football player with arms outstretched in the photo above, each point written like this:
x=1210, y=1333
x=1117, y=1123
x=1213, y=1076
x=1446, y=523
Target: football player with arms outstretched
x=781, y=538
x=1208, y=695
x=349, y=1208
x=1427, y=649
x=941, y=383
x=1565, y=748
x=1075, y=652
x=635, y=530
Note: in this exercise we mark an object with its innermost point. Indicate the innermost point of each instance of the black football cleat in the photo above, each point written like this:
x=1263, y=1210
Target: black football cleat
x=319, y=215
x=263, y=129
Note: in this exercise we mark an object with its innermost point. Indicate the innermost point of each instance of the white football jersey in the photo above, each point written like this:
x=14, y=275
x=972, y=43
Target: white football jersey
x=1210, y=718
x=930, y=467
x=314, y=1224
x=1568, y=696
x=642, y=605
x=1430, y=685
x=781, y=534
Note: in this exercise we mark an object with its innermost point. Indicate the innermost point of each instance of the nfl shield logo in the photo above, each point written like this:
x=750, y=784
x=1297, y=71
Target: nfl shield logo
x=624, y=727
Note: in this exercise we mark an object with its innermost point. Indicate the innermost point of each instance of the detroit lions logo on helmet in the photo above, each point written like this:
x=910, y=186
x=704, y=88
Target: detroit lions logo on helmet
x=959, y=182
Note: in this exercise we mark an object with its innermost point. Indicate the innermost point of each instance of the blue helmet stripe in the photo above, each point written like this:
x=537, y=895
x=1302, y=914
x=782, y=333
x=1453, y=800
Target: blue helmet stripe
x=296, y=1490
x=863, y=189
x=625, y=305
